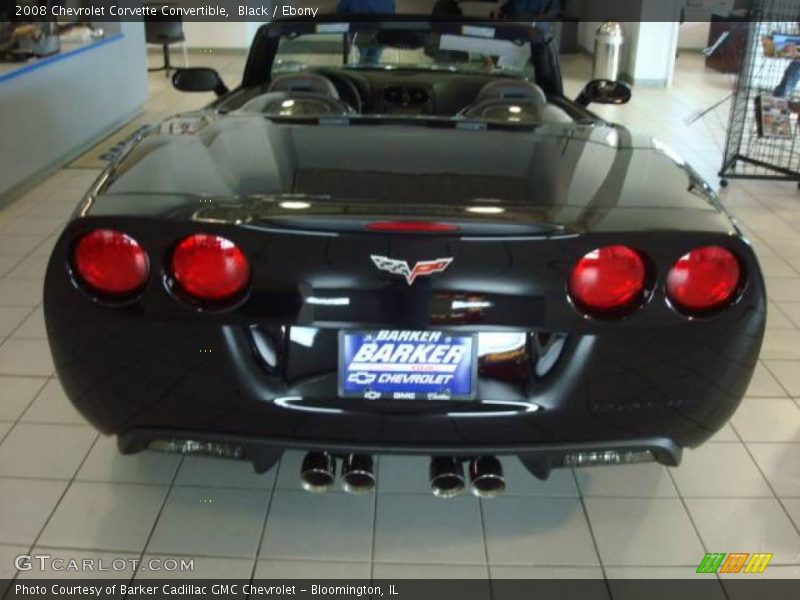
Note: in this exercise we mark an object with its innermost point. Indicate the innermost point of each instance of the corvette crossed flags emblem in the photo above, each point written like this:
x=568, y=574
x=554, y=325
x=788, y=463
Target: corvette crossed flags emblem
x=401, y=267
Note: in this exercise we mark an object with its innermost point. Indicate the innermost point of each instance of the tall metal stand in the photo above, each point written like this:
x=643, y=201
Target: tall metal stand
x=751, y=152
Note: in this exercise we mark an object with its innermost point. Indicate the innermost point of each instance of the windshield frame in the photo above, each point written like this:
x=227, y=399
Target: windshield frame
x=263, y=52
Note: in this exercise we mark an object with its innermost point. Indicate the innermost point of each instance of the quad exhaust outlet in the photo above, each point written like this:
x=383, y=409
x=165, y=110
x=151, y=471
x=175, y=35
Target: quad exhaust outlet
x=486, y=477
x=357, y=474
x=446, y=476
x=318, y=472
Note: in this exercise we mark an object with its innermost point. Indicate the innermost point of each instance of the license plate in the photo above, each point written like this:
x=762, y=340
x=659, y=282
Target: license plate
x=407, y=365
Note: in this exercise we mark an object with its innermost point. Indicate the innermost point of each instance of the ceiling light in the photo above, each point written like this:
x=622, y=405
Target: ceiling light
x=486, y=210
x=293, y=205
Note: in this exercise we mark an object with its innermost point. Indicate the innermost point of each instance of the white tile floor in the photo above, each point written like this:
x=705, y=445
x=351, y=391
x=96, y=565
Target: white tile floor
x=64, y=490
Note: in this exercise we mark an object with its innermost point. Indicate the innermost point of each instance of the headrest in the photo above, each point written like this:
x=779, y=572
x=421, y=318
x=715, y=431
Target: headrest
x=295, y=104
x=512, y=89
x=304, y=82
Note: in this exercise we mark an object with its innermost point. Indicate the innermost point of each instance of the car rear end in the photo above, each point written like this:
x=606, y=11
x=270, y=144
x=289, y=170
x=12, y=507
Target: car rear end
x=570, y=294
x=241, y=337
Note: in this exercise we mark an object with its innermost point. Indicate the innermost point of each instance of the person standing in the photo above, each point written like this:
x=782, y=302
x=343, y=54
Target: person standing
x=363, y=7
x=447, y=8
x=540, y=12
x=370, y=55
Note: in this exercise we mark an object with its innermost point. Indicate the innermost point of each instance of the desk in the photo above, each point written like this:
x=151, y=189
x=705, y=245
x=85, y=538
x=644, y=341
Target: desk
x=729, y=57
x=11, y=70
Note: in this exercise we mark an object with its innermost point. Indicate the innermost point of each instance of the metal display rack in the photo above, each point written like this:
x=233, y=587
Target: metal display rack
x=751, y=152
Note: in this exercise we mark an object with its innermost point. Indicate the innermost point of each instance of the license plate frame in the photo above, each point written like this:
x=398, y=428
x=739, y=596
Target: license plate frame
x=349, y=389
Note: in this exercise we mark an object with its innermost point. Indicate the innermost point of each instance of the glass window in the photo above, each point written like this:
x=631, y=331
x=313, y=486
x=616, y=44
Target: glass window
x=399, y=48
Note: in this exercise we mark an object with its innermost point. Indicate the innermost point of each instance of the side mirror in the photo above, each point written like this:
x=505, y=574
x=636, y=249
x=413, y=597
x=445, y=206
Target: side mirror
x=199, y=79
x=604, y=91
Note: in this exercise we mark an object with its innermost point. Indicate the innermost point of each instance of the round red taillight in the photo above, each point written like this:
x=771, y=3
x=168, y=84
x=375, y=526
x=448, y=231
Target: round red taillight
x=111, y=262
x=704, y=279
x=608, y=280
x=210, y=267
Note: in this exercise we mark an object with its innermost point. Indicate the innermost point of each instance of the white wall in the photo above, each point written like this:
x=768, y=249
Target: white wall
x=220, y=35
x=652, y=54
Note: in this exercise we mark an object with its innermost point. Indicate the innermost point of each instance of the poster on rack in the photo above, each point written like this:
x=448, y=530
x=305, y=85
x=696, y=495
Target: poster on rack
x=773, y=117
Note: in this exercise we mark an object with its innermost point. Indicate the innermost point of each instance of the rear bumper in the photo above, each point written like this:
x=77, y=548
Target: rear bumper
x=264, y=453
x=127, y=374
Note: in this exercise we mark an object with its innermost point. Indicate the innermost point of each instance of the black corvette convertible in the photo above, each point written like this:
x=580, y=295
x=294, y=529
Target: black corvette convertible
x=401, y=237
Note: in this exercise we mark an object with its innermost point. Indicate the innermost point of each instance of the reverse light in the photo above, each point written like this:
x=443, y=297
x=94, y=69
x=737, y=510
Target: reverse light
x=111, y=262
x=608, y=280
x=703, y=280
x=412, y=226
x=210, y=268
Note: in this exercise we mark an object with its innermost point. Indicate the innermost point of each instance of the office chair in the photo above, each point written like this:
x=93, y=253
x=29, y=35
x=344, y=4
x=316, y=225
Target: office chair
x=161, y=32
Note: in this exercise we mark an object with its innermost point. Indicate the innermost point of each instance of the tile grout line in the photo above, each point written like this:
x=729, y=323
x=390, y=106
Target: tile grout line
x=774, y=306
x=694, y=524
x=771, y=488
x=778, y=381
x=10, y=334
x=485, y=542
x=596, y=546
x=38, y=394
x=267, y=512
x=168, y=493
x=32, y=251
x=374, y=520
x=779, y=308
x=18, y=376
x=691, y=518
x=686, y=509
x=61, y=498
x=18, y=420
x=517, y=496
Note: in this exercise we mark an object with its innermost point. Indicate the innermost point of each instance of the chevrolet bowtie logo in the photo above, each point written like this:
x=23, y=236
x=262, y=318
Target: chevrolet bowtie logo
x=401, y=267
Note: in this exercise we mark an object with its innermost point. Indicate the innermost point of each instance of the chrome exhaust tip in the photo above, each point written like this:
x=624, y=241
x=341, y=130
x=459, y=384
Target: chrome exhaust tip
x=357, y=474
x=318, y=472
x=486, y=477
x=446, y=476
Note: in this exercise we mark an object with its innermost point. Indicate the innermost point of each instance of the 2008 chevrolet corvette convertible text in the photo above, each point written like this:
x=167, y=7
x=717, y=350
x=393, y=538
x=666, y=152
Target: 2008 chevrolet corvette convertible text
x=401, y=237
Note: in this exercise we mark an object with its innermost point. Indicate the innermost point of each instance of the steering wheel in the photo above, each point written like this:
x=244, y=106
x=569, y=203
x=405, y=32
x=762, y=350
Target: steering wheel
x=348, y=91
